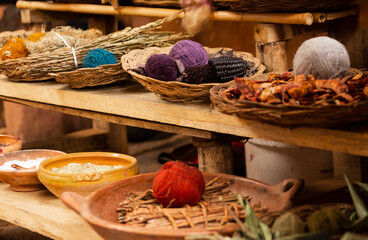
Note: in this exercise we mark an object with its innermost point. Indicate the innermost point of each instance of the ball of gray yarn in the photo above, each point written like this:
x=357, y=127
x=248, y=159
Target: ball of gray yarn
x=322, y=57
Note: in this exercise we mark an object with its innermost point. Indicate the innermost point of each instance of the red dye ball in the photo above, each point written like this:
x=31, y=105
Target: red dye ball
x=178, y=184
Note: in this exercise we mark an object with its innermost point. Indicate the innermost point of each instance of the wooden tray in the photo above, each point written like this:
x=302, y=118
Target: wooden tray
x=99, y=208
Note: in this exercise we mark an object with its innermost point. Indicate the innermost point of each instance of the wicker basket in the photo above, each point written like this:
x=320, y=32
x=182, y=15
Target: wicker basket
x=260, y=5
x=290, y=116
x=91, y=77
x=283, y=5
x=176, y=91
x=39, y=66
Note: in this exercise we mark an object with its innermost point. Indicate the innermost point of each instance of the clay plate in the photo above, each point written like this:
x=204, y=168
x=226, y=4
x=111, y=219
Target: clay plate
x=99, y=208
x=24, y=180
x=9, y=143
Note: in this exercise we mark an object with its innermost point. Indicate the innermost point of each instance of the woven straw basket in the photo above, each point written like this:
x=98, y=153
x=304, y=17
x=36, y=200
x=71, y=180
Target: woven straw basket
x=289, y=116
x=282, y=5
x=91, y=77
x=261, y=5
x=176, y=91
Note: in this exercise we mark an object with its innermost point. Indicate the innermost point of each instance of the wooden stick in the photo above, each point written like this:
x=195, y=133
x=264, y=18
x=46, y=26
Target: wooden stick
x=319, y=17
x=282, y=18
x=18, y=167
x=336, y=15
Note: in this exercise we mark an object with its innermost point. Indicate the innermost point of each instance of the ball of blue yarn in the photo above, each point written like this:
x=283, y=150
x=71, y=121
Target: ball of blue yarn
x=97, y=57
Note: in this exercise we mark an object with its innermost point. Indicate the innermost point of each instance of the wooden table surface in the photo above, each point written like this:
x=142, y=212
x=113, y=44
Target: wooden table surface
x=42, y=212
x=129, y=103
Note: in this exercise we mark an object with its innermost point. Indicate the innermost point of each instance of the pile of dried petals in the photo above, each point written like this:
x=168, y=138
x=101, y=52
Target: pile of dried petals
x=289, y=89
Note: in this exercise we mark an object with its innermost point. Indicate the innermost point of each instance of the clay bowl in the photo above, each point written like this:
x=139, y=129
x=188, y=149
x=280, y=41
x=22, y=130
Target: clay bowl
x=85, y=183
x=24, y=180
x=99, y=208
x=9, y=143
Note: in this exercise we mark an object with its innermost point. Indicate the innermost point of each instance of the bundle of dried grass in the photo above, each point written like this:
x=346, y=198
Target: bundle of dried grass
x=52, y=40
x=36, y=67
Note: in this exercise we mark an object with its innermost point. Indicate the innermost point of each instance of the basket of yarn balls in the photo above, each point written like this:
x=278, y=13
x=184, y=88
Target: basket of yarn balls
x=15, y=47
x=100, y=67
x=323, y=90
x=186, y=71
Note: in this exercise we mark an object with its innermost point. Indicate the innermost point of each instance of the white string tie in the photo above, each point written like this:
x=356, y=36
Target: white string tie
x=73, y=50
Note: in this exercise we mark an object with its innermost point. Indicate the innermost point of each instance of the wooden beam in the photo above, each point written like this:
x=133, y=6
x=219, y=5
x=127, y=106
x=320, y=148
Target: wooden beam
x=81, y=141
x=117, y=119
x=284, y=18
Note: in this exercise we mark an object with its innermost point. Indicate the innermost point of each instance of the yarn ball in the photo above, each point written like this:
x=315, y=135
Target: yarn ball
x=35, y=37
x=177, y=184
x=97, y=57
x=189, y=53
x=14, y=48
x=322, y=57
x=162, y=67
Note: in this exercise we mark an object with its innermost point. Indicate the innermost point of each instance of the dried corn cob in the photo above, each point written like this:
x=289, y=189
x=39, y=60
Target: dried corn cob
x=226, y=68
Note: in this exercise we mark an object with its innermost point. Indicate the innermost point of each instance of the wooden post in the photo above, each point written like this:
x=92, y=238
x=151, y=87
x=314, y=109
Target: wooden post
x=118, y=138
x=214, y=155
x=107, y=24
x=271, y=45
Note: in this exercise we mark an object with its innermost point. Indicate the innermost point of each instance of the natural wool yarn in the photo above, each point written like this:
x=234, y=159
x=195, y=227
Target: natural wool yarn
x=35, y=37
x=52, y=40
x=322, y=57
x=197, y=14
x=177, y=184
x=13, y=49
x=97, y=57
x=189, y=53
x=162, y=67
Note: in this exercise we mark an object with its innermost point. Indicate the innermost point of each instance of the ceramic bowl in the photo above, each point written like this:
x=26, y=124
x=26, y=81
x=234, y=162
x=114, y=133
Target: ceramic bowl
x=99, y=208
x=85, y=183
x=9, y=143
x=24, y=180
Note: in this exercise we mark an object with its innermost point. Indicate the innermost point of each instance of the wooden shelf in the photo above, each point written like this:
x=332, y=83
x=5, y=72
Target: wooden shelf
x=42, y=212
x=130, y=104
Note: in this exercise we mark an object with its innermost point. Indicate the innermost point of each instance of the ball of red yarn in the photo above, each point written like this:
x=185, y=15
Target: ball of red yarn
x=162, y=67
x=177, y=184
x=189, y=53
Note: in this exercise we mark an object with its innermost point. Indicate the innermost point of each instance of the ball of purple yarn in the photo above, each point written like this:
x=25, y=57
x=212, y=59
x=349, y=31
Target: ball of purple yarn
x=162, y=67
x=190, y=53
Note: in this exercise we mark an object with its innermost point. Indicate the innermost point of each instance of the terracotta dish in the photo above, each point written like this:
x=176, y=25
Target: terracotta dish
x=9, y=143
x=85, y=183
x=24, y=180
x=99, y=208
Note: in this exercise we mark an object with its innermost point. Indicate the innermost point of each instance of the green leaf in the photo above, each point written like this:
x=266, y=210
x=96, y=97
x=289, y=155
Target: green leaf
x=353, y=236
x=266, y=231
x=251, y=219
x=358, y=202
x=363, y=185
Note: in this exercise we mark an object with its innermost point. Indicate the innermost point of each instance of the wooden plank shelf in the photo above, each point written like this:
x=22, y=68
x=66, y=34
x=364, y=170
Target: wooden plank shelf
x=129, y=103
x=42, y=212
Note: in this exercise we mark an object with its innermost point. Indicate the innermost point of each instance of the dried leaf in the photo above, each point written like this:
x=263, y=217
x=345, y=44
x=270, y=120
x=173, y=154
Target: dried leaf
x=353, y=236
x=358, y=202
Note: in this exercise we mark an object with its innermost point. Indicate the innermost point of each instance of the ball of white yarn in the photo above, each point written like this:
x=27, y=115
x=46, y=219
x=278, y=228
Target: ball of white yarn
x=322, y=57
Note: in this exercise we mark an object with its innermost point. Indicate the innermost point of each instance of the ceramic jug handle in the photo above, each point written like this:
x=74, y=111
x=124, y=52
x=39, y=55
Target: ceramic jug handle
x=289, y=188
